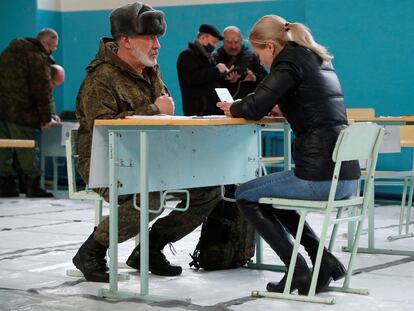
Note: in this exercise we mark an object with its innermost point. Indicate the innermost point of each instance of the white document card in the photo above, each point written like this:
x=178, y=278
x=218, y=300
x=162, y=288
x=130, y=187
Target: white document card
x=224, y=95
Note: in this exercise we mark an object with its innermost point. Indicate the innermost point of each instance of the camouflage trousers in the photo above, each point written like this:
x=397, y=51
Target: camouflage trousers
x=170, y=228
x=27, y=158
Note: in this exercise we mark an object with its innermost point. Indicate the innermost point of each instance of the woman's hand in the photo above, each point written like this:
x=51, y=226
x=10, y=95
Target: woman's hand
x=275, y=112
x=225, y=106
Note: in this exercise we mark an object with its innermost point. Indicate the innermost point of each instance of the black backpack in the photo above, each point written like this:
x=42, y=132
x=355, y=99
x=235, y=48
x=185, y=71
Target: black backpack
x=227, y=240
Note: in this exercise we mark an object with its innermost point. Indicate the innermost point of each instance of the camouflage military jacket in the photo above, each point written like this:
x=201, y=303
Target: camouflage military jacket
x=112, y=90
x=25, y=92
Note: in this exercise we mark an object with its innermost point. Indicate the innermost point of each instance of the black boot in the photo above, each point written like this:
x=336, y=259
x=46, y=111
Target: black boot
x=158, y=264
x=33, y=189
x=275, y=235
x=22, y=183
x=90, y=259
x=8, y=187
x=331, y=267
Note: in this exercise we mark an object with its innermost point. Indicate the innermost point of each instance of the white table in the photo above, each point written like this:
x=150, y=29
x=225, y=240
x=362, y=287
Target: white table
x=165, y=153
x=53, y=145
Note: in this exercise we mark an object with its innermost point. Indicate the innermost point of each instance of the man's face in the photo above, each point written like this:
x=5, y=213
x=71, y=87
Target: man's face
x=57, y=80
x=212, y=40
x=145, y=49
x=232, y=42
x=51, y=45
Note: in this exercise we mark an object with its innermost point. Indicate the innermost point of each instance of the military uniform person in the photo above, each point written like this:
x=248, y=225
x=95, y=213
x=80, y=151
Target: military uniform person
x=124, y=80
x=26, y=105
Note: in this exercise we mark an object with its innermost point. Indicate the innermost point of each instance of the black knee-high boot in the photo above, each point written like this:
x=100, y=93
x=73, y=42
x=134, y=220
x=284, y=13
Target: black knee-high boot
x=276, y=236
x=331, y=267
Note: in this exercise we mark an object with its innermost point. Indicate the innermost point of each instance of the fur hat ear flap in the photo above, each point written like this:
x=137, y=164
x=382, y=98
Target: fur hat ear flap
x=152, y=23
x=137, y=19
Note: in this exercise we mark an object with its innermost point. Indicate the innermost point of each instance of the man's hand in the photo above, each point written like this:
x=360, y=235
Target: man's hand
x=165, y=104
x=250, y=76
x=222, y=68
x=56, y=119
x=233, y=77
x=225, y=106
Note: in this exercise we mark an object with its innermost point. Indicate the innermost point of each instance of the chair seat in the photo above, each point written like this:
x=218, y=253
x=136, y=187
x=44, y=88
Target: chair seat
x=321, y=205
x=86, y=195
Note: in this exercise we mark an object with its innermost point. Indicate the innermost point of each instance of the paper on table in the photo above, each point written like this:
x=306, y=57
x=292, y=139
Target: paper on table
x=157, y=116
x=212, y=116
x=224, y=95
x=66, y=128
x=170, y=117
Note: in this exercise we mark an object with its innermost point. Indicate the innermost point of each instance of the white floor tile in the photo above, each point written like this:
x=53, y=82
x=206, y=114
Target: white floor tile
x=39, y=237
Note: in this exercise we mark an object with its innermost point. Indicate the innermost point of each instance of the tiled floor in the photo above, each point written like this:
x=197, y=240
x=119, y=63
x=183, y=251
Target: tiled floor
x=38, y=238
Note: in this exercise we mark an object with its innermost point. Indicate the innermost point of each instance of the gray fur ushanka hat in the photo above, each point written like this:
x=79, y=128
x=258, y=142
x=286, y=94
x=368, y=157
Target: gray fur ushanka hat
x=137, y=19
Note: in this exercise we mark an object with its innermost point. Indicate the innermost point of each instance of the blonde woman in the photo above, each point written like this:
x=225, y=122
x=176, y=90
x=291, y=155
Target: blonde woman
x=304, y=86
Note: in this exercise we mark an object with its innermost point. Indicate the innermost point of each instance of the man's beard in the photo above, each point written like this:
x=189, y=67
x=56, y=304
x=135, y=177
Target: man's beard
x=143, y=59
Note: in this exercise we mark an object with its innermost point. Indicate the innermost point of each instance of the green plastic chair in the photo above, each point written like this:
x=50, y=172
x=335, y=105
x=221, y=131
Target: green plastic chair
x=86, y=194
x=359, y=141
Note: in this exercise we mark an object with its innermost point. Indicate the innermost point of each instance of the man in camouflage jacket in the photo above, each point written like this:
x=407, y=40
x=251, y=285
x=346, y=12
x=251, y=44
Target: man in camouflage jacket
x=26, y=105
x=123, y=80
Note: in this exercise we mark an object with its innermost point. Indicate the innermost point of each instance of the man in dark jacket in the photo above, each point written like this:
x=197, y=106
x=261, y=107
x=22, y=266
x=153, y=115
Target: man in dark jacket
x=199, y=74
x=248, y=71
x=26, y=105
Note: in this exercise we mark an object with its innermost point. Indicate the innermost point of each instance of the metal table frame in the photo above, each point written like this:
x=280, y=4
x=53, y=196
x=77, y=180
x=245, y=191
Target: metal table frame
x=240, y=163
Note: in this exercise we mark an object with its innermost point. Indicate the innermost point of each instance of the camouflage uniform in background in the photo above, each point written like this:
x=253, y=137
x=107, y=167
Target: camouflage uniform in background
x=113, y=90
x=25, y=101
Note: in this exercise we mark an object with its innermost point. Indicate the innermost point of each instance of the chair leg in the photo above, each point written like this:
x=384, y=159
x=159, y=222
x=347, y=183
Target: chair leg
x=264, y=169
x=98, y=212
x=403, y=206
x=353, y=253
x=405, y=211
x=335, y=230
x=295, y=253
x=409, y=206
x=352, y=213
x=317, y=265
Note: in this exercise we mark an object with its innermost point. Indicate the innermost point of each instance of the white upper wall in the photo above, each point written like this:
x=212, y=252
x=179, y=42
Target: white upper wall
x=94, y=5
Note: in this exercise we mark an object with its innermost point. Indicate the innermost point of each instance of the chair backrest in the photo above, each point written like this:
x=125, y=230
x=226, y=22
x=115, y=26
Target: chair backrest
x=355, y=113
x=407, y=135
x=359, y=141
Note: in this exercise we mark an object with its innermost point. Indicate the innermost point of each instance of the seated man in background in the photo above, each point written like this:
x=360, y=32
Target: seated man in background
x=123, y=80
x=248, y=71
x=26, y=105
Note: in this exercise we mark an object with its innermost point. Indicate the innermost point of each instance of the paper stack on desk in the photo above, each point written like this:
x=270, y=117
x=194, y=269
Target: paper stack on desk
x=158, y=116
x=170, y=117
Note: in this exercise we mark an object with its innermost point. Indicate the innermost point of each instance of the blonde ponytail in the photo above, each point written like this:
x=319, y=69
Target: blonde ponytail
x=277, y=29
x=301, y=34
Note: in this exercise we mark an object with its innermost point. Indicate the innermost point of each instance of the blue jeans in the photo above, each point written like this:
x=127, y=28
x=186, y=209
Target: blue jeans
x=287, y=185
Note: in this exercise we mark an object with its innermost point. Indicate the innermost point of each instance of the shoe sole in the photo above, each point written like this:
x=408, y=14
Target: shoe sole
x=132, y=264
